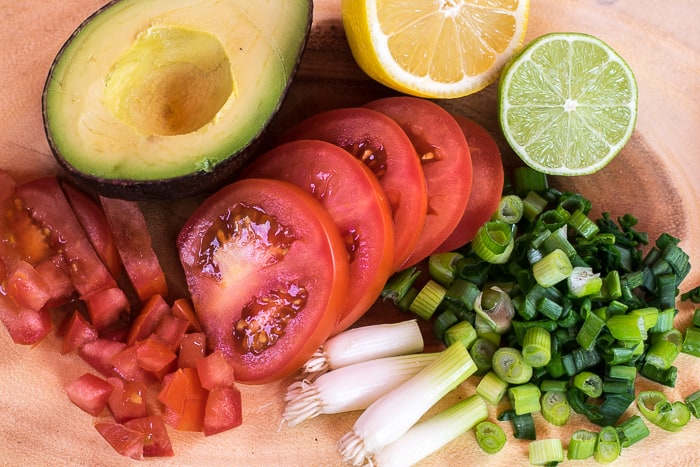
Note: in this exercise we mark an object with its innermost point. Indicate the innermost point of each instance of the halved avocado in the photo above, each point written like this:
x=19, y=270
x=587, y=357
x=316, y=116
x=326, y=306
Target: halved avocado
x=167, y=98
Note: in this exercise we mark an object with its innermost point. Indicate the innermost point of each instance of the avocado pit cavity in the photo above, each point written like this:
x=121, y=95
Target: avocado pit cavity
x=172, y=81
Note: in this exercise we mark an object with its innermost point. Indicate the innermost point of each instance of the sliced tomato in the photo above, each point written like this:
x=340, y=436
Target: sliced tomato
x=223, y=410
x=90, y=393
x=268, y=272
x=384, y=147
x=94, y=222
x=134, y=243
x=356, y=201
x=48, y=207
x=487, y=188
x=444, y=154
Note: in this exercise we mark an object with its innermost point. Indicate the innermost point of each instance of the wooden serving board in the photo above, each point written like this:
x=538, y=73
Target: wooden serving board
x=654, y=178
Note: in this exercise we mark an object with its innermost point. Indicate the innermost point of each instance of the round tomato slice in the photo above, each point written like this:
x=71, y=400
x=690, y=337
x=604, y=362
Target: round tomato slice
x=267, y=271
x=487, y=188
x=444, y=154
x=384, y=147
x=355, y=200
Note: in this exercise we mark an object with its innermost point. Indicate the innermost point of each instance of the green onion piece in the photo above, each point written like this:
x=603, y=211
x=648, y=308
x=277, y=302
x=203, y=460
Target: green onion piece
x=429, y=435
x=490, y=437
x=664, y=349
x=608, y=446
x=533, y=205
x=676, y=418
x=509, y=365
x=664, y=321
x=589, y=383
x=388, y=418
x=546, y=451
x=589, y=331
x=351, y=387
x=462, y=332
x=696, y=317
x=494, y=242
x=632, y=431
x=549, y=308
x=527, y=179
x=495, y=307
x=524, y=398
x=552, y=269
x=653, y=405
x=399, y=284
x=443, y=322
x=627, y=372
x=428, y=299
x=693, y=403
x=649, y=314
x=582, y=224
x=558, y=240
x=666, y=290
x=616, y=307
x=583, y=281
x=485, y=330
x=523, y=425
x=691, y=342
x=482, y=352
x=666, y=377
x=510, y=210
x=547, y=385
x=627, y=327
x=617, y=386
x=443, y=267
x=407, y=299
x=492, y=388
x=537, y=347
x=577, y=401
x=581, y=445
x=693, y=295
x=613, y=407
x=555, y=407
x=462, y=293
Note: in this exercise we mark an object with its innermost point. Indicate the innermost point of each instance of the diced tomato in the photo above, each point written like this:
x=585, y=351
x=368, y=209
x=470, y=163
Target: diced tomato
x=48, y=207
x=154, y=356
x=134, y=243
x=193, y=347
x=99, y=354
x=94, y=222
x=128, y=399
x=90, y=393
x=223, y=410
x=25, y=326
x=215, y=371
x=447, y=168
x=170, y=331
x=182, y=308
x=384, y=147
x=185, y=399
x=27, y=287
x=156, y=441
x=268, y=274
x=487, y=187
x=147, y=320
x=356, y=201
x=106, y=307
x=78, y=332
x=125, y=364
x=52, y=270
x=126, y=441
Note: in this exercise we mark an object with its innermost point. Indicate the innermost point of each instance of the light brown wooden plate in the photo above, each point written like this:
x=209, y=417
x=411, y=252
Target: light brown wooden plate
x=654, y=178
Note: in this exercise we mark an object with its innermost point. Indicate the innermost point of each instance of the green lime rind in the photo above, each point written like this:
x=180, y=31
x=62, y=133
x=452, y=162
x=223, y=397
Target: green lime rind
x=567, y=103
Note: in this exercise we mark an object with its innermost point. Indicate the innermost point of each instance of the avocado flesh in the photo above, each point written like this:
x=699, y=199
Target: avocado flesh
x=152, y=90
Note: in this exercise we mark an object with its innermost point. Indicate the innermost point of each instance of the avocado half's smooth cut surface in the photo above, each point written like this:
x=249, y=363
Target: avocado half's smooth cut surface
x=167, y=98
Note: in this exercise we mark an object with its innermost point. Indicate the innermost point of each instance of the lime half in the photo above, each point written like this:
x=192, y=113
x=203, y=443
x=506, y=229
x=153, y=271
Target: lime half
x=567, y=104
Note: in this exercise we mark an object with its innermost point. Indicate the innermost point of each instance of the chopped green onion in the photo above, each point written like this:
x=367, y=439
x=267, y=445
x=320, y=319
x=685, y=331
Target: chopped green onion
x=428, y=299
x=589, y=331
x=666, y=377
x=546, y=451
x=490, y=437
x=537, y=347
x=693, y=403
x=462, y=293
x=627, y=327
x=607, y=447
x=589, y=383
x=482, y=352
x=509, y=365
x=533, y=205
x=547, y=385
x=632, y=431
x=350, y=387
x=484, y=330
x=693, y=295
x=664, y=349
x=407, y=299
x=664, y=321
x=524, y=398
x=399, y=284
x=443, y=267
x=583, y=224
x=462, y=332
x=696, y=316
x=496, y=308
x=526, y=179
x=445, y=320
x=691, y=342
x=656, y=408
x=552, y=269
x=583, y=281
x=388, y=418
x=523, y=425
x=558, y=240
x=649, y=314
x=492, y=388
x=365, y=343
x=429, y=435
x=510, y=210
x=555, y=407
x=581, y=445
x=494, y=242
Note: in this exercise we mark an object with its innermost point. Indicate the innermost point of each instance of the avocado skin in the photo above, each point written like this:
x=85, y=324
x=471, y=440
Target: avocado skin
x=192, y=184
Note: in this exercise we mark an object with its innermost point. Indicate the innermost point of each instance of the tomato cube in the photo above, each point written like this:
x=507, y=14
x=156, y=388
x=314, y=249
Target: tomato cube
x=78, y=332
x=156, y=357
x=215, y=371
x=25, y=326
x=126, y=365
x=156, y=442
x=90, y=393
x=182, y=308
x=127, y=400
x=150, y=314
x=57, y=280
x=105, y=307
x=126, y=441
x=193, y=346
x=184, y=399
x=223, y=410
x=27, y=287
x=170, y=330
x=99, y=354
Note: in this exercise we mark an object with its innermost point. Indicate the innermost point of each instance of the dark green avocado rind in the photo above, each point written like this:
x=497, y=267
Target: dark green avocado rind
x=203, y=181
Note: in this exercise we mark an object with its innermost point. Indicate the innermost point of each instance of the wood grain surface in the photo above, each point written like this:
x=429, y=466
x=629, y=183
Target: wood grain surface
x=654, y=178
